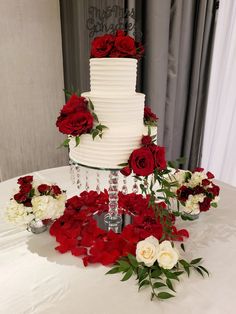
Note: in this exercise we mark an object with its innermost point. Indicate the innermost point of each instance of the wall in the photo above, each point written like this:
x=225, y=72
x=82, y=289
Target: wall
x=31, y=86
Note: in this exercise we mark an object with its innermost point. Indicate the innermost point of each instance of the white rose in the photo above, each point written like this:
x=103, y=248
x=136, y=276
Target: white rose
x=167, y=256
x=146, y=251
x=18, y=213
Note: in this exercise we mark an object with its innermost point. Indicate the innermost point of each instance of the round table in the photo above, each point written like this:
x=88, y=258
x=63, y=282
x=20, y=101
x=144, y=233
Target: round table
x=35, y=278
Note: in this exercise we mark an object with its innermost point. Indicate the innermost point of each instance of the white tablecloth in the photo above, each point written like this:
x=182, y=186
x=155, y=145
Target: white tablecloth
x=35, y=278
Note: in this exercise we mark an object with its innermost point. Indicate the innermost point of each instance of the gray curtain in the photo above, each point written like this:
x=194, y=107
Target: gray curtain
x=174, y=72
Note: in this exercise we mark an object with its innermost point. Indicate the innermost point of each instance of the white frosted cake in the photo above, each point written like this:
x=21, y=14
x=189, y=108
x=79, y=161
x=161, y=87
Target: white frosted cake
x=119, y=107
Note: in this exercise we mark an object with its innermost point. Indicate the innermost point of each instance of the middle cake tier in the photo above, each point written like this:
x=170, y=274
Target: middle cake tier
x=123, y=115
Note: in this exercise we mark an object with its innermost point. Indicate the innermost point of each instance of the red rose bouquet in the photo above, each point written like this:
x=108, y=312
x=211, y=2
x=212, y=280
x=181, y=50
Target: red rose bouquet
x=77, y=117
x=120, y=45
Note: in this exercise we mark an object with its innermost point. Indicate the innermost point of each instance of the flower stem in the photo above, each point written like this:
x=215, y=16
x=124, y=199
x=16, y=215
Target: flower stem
x=150, y=280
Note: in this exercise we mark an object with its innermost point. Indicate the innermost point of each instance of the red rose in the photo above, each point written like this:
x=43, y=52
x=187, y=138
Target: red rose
x=102, y=46
x=198, y=190
x=56, y=190
x=120, y=32
x=126, y=171
x=205, y=205
x=205, y=182
x=146, y=140
x=149, y=115
x=76, y=124
x=158, y=156
x=141, y=161
x=210, y=175
x=183, y=193
x=126, y=46
x=24, y=180
x=26, y=188
x=20, y=197
x=75, y=104
x=43, y=188
x=198, y=169
x=215, y=190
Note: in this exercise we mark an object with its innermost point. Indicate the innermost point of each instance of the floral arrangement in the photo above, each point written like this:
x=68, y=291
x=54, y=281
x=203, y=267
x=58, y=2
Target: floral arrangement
x=35, y=201
x=195, y=191
x=77, y=117
x=119, y=45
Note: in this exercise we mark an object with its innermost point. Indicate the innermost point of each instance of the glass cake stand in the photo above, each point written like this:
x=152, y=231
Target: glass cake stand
x=112, y=219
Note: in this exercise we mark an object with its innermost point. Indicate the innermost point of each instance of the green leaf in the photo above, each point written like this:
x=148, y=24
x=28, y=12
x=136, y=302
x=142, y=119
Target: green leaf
x=149, y=130
x=164, y=295
x=204, y=269
x=196, y=260
x=124, y=265
x=67, y=93
x=178, y=273
x=123, y=165
x=214, y=205
x=186, y=268
x=170, y=275
x=158, y=285
x=114, y=270
x=184, y=263
x=156, y=273
x=133, y=260
x=199, y=271
x=142, y=274
x=65, y=143
x=91, y=104
x=182, y=247
x=128, y=274
x=95, y=116
x=94, y=133
x=144, y=283
x=77, y=140
x=169, y=284
x=31, y=194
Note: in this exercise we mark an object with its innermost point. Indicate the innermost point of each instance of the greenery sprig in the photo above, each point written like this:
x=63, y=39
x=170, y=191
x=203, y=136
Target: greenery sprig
x=161, y=281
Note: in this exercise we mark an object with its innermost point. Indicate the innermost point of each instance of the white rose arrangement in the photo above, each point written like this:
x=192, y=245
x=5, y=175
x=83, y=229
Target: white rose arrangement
x=35, y=201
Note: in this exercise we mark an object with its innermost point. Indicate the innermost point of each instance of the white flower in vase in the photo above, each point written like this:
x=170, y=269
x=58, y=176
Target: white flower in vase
x=18, y=213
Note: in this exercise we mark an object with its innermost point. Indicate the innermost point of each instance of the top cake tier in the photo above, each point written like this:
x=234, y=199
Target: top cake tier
x=113, y=76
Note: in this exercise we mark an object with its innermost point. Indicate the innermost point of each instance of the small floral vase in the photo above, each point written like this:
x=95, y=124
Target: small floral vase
x=37, y=226
x=191, y=216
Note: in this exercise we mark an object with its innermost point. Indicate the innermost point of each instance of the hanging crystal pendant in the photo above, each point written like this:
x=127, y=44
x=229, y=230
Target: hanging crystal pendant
x=78, y=182
x=86, y=181
x=98, y=183
x=124, y=188
x=72, y=172
x=112, y=218
x=135, y=186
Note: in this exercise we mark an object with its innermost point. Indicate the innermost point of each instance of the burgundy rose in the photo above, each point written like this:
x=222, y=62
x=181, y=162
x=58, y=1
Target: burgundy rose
x=205, y=182
x=74, y=104
x=183, y=193
x=26, y=188
x=149, y=115
x=44, y=188
x=158, y=156
x=215, y=190
x=126, y=171
x=25, y=180
x=20, y=197
x=210, y=175
x=141, y=161
x=27, y=203
x=205, y=205
x=126, y=46
x=198, y=190
x=102, y=46
x=56, y=190
x=76, y=124
x=198, y=169
x=146, y=140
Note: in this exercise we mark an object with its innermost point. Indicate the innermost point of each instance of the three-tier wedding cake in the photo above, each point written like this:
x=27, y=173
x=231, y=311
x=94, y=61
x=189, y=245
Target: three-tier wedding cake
x=113, y=72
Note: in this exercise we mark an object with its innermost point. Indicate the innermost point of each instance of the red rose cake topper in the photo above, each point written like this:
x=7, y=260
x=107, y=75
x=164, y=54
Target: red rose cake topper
x=120, y=45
